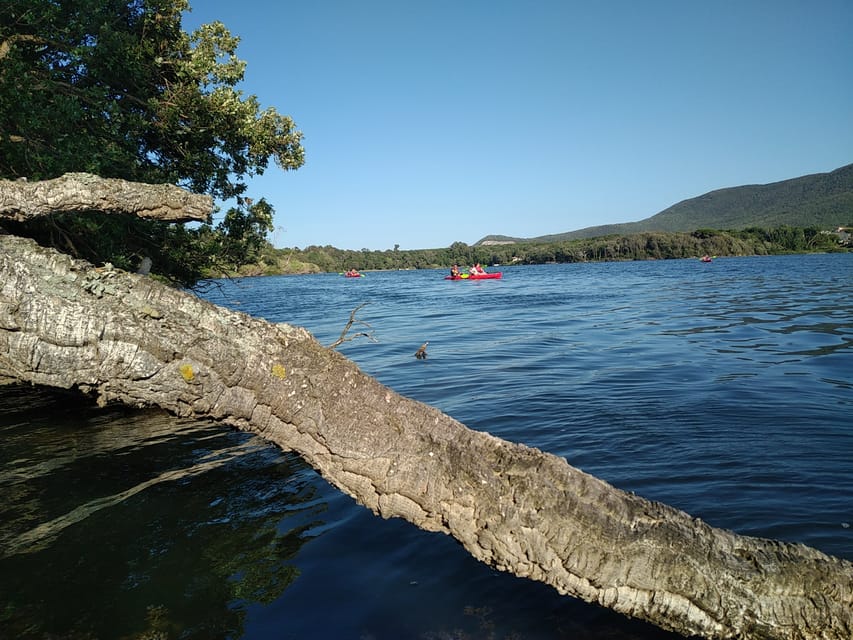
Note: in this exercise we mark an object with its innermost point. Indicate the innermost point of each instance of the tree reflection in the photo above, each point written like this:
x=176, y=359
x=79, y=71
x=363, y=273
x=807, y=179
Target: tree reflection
x=182, y=557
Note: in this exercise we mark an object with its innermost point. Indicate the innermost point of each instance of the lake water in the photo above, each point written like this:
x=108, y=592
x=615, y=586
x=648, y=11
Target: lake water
x=724, y=389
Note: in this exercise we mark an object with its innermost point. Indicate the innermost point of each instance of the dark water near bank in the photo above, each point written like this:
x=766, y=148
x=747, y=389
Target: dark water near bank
x=724, y=389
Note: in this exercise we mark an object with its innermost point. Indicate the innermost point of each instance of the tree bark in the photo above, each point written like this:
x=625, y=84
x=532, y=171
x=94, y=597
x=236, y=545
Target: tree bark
x=78, y=192
x=128, y=339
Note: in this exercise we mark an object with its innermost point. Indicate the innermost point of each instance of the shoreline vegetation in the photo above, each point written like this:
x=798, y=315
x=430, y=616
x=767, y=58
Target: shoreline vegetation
x=617, y=247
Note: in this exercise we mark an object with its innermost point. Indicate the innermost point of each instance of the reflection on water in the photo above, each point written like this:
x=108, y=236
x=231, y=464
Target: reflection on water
x=128, y=541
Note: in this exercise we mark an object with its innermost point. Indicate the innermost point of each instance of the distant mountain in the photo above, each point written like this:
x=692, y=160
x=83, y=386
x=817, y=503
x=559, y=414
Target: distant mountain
x=821, y=199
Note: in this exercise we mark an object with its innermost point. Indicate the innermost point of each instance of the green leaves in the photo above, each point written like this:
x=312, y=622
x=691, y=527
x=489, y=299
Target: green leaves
x=117, y=88
x=243, y=233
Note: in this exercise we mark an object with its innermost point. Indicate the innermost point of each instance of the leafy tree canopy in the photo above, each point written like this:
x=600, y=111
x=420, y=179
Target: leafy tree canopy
x=117, y=88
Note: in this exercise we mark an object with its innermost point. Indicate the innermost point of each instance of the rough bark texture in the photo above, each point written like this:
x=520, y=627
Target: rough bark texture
x=128, y=339
x=78, y=192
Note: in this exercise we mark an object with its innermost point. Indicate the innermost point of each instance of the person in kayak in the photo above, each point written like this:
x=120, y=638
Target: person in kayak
x=476, y=270
x=454, y=271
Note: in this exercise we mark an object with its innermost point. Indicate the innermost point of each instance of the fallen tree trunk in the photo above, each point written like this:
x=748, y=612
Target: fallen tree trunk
x=128, y=339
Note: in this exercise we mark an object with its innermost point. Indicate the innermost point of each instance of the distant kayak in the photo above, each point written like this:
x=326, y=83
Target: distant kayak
x=475, y=276
x=705, y=259
x=354, y=275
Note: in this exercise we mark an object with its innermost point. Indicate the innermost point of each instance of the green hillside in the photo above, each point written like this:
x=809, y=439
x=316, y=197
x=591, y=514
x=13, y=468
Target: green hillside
x=823, y=200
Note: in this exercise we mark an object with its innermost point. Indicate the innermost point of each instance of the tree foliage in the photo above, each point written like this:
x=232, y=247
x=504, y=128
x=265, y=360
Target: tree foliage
x=637, y=246
x=244, y=233
x=117, y=88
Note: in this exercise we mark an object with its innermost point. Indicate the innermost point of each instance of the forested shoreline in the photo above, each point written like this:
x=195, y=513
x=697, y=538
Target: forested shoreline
x=637, y=246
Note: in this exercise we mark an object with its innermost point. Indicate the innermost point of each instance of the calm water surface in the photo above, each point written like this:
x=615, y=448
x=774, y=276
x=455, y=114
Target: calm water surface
x=724, y=389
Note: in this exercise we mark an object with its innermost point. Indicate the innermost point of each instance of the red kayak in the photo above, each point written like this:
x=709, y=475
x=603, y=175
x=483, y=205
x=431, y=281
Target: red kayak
x=475, y=276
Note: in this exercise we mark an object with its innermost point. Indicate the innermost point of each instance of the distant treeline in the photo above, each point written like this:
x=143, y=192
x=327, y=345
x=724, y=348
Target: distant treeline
x=637, y=246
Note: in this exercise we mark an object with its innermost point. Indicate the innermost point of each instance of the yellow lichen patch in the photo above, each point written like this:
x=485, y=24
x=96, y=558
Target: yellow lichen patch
x=278, y=371
x=187, y=372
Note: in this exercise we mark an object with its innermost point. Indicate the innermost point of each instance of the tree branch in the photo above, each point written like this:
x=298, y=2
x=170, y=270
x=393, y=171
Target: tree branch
x=7, y=44
x=362, y=334
x=79, y=192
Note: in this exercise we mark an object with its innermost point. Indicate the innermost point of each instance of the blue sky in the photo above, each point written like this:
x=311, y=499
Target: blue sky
x=428, y=123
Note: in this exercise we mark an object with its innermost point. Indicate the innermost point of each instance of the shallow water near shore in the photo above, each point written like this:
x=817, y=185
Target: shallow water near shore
x=723, y=389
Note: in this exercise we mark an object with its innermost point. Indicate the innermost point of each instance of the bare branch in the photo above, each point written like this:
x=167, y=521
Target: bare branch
x=345, y=338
